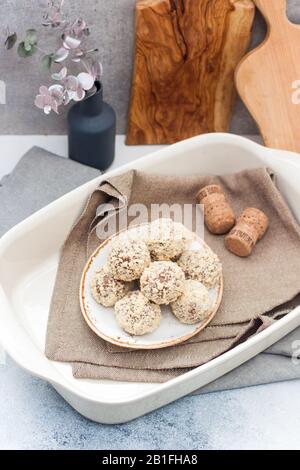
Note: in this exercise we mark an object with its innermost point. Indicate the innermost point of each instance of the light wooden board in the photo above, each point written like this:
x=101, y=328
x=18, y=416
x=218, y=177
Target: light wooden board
x=268, y=79
x=185, y=56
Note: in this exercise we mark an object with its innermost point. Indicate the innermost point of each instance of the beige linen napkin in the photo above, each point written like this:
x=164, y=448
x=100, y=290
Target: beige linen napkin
x=254, y=287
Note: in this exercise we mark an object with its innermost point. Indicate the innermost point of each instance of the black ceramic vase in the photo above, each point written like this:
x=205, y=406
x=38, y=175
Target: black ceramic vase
x=92, y=131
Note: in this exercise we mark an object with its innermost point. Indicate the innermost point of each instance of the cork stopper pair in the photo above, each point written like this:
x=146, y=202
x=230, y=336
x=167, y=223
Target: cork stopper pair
x=219, y=218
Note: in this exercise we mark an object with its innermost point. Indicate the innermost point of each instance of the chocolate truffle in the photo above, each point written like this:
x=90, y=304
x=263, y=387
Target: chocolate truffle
x=137, y=315
x=128, y=258
x=167, y=239
x=105, y=289
x=203, y=266
x=194, y=305
x=163, y=282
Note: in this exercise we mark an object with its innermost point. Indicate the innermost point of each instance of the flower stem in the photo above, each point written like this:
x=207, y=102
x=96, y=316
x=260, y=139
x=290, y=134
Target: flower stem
x=42, y=51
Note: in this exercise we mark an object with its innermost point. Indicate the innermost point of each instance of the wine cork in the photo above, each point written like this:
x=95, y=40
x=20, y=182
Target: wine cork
x=218, y=215
x=210, y=190
x=257, y=218
x=250, y=228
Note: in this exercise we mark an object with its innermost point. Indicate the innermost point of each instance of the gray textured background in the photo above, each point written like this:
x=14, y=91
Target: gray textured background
x=112, y=27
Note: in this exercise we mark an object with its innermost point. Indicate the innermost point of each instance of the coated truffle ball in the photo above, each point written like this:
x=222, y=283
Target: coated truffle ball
x=163, y=282
x=166, y=239
x=137, y=315
x=128, y=258
x=194, y=305
x=203, y=266
x=105, y=289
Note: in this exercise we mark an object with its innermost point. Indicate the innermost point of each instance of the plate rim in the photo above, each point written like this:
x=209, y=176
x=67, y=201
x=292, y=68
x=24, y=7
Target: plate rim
x=122, y=344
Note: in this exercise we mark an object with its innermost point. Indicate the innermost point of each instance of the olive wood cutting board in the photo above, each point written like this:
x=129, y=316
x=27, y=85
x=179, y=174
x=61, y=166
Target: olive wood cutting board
x=268, y=79
x=185, y=56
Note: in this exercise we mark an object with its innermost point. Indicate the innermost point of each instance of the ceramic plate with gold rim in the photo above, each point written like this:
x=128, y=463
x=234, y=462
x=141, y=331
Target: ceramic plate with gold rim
x=102, y=319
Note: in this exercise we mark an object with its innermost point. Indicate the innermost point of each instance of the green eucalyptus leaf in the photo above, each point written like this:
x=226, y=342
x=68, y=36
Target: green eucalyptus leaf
x=10, y=41
x=27, y=46
x=32, y=50
x=21, y=50
x=47, y=60
x=26, y=53
x=31, y=36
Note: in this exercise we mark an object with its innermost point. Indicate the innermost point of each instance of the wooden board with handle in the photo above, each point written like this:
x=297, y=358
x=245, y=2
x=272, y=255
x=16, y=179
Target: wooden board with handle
x=268, y=79
x=185, y=56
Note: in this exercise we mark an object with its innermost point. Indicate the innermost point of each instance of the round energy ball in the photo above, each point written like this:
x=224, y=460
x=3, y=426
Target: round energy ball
x=137, y=315
x=135, y=233
x=203, y=266
x=166, y=239
x=105, y=289
x=128, y=258
x=163, y=282
x=194, y=305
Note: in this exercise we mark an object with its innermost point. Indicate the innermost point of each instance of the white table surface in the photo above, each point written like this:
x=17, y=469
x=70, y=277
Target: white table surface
x=33, y=415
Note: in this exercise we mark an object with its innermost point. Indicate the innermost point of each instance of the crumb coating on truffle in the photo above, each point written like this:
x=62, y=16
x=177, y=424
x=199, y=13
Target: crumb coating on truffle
x=203, y=266
x=163, y=282
x=105, y=289
x=194, y=305
x=127, y=259
x=137, y=315
x=167, y=239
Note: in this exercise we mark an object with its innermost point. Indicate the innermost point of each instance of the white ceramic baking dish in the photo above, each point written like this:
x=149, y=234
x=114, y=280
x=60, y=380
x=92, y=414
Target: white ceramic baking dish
x=29, y=256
